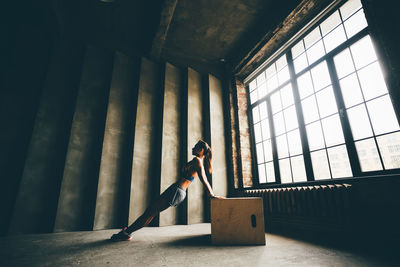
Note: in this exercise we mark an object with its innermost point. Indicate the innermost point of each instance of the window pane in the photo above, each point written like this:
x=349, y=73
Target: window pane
x=310, y=110
x=300, y=63
x=262, y=178
x=312, y=37
x=298, y=169
x=272, y=83
x=282, y=146
x=368, y=155
x=355, y=24
x=281, y=62
x=286, y=175
x=268, y=150
x=257, y=132
x=265, y=129
x=344, y=63
x=320, y=76
x=332, y=130
x=372, y=82
x=382, y=115
x=315, y=52
x=326, y=102
x=276, y=103
x=287, y=96
x=263, y=110
x=331, y=22
x=270, y=71
x=389, y=145
x=256, y=115
x=334, y=38
x=304, y=84
x=297, y=49
x=261, y=78
x=290, y=118
x=253, y=96
x=260, y=153
x=339, y=161
x=351, y=90
x=320, y=165
x=359, y=122
x=279, y=123
x=283, y=75
x=262, y=90
x=294, y=143
x=349, y=8
x=314, y=136
x=253, y=85
x=270, y=172
x=363, y=52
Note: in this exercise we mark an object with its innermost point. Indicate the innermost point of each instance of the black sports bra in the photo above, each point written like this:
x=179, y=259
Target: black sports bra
x=191, y=178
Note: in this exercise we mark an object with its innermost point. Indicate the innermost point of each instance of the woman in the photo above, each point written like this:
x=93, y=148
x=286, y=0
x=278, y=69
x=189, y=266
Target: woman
x=176, y=193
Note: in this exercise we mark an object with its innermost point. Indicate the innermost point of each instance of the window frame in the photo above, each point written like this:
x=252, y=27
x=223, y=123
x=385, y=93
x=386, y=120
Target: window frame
x=349, y=141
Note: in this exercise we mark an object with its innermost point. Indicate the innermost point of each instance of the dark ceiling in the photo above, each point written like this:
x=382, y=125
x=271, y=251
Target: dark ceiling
x=203, y=34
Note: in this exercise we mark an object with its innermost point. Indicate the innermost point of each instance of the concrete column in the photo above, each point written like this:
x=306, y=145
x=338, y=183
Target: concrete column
x=36, y=204
x=217, y=132
x=112, y=202
x=171, y=137
x=144, y=179
x=76, y=203
x=195, y=196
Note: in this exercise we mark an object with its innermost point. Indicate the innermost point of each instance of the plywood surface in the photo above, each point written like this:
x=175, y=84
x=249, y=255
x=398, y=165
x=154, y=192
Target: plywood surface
x=237, y=221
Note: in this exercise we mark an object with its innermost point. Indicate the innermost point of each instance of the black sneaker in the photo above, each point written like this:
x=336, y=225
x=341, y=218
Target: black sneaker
x=121, y=236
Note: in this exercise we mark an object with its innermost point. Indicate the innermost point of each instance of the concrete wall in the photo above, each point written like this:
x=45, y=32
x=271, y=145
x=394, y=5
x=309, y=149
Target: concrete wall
x=115, y=167
x=111, y=132
x=27, y=42
x=45, y=158
x=77, y=199
x=195, y=132
x=171, y=137
x=144, y=177
x=217, y=130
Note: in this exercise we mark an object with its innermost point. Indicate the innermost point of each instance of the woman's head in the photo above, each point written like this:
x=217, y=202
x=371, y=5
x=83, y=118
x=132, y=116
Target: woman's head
x=207, y=152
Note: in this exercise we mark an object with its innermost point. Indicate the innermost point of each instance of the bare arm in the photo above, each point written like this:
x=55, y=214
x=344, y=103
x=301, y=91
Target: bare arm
x=203, y=178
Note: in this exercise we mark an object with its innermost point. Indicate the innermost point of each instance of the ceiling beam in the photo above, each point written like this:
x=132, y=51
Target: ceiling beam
x=167, y=14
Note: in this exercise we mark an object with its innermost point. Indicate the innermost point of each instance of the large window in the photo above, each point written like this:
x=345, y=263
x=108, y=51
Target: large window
x=321, y=109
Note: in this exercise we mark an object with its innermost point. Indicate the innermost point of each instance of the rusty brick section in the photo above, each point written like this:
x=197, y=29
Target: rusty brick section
x=244, y=149
x=234, y=135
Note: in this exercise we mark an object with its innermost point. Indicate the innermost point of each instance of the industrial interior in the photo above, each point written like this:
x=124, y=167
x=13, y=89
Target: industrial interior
x=101, y=102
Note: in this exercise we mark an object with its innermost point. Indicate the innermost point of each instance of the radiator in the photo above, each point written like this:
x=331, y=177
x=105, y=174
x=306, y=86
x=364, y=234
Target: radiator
x=315, y=206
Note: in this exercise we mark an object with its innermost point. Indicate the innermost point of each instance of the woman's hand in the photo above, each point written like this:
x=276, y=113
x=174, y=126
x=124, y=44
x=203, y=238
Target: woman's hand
x=218, y=197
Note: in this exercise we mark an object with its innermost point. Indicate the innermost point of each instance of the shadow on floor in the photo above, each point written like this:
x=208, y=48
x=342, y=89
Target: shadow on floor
x=199, y=240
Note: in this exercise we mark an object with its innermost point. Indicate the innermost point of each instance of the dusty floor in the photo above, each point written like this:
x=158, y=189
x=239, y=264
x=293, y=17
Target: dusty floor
x=171, y=246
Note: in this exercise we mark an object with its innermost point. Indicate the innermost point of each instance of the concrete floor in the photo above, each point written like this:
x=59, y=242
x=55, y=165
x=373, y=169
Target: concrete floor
x=170, y=246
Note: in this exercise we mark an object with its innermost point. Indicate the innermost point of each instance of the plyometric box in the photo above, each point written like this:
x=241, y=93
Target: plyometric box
x=237, y=221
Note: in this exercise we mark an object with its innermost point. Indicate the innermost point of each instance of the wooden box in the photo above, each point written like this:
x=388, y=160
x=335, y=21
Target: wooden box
x=237, y=221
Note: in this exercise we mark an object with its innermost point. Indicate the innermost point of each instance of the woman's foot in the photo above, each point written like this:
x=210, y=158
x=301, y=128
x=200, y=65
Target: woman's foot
x=121, y=236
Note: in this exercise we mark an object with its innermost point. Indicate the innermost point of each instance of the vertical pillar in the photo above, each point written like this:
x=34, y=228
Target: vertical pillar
x=76, y=203
x=171, y=139
x=244, y=134
x=217, y=132
x=36, y=204
x=195, y=196
x=144, y=170
x=112, y=202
